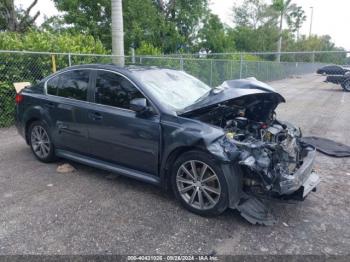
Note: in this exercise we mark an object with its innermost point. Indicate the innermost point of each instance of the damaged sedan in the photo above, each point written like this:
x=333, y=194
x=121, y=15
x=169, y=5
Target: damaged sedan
x=216, y=148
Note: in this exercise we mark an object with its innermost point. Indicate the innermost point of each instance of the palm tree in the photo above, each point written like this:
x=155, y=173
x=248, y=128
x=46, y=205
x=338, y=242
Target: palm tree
x=117, y=33
x=283, y=9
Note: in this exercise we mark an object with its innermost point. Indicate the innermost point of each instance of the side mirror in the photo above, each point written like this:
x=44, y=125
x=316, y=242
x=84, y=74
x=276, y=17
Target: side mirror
x=138, y=104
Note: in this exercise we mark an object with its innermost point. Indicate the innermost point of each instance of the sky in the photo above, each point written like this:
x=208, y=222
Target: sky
x=330, y=17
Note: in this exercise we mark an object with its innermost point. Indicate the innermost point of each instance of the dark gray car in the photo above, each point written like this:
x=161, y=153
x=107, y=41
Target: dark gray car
x=215, y=147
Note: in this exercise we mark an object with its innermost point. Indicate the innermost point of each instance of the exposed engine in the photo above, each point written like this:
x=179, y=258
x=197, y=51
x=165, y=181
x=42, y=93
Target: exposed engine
x=269, y=150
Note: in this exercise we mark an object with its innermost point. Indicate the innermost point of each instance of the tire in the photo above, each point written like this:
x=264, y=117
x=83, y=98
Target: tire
x=346, y=85
x=192, y=192
x=40, y=142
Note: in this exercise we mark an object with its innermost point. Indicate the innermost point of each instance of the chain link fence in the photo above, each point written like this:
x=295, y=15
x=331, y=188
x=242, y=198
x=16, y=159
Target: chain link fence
x=213, y=69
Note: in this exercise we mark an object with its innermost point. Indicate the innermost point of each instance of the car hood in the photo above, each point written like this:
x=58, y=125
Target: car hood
x=235, y=89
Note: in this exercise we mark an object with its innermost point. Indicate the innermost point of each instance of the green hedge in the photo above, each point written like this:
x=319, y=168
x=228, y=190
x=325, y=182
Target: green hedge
x=7, y=104
x=25, y=67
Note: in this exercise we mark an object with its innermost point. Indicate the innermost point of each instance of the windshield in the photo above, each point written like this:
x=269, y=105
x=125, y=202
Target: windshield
x=176, y=89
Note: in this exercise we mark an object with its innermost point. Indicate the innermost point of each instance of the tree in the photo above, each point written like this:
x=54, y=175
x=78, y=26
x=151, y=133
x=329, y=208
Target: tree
x=252, y=13
x=16, y=20
x=91, y=17
x=256, y=28
x=185, y=15
x=143, y=21
x=117, y=32
x=214, y=36
x=283, y=9
x=296, y=19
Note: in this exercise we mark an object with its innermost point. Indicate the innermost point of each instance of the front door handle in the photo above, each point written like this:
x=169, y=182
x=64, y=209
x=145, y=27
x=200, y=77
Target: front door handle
x=95, y=116
x=50, y=105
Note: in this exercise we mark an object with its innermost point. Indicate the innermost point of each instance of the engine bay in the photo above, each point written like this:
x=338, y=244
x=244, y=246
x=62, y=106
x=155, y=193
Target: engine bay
x=268, y=150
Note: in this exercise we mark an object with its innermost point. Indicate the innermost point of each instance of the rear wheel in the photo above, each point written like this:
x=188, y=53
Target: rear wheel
x=199, y=184
x=346, y=85
x=40, y=142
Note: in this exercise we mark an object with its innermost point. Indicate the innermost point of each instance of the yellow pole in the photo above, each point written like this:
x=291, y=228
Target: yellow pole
x=53, y=60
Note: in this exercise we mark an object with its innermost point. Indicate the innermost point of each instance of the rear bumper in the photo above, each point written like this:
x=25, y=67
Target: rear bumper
x=304, y=180
x=20, y=127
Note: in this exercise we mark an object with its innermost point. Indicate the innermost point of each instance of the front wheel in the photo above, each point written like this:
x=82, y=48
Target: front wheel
x=346, y=85
x=40, y=142
x=199, y=184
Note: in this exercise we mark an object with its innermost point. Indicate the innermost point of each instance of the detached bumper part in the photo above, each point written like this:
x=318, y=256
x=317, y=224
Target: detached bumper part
x=304, y=178
x=296, y=186
x=255, y=211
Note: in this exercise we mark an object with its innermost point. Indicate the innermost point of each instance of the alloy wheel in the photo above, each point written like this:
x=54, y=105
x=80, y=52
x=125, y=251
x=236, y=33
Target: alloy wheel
x=198, y=185
x=346, y=85
x=40, y=142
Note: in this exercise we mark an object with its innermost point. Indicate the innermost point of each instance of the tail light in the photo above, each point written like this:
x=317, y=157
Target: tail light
x=19, y=98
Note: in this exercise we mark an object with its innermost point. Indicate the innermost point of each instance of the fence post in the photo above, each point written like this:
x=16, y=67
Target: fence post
x=313, y=57
x=241, y=66
x=181, y=63
x=231, y=69
x=132, y=55
x=69, y=59
x=53, y=60
x=211, y=72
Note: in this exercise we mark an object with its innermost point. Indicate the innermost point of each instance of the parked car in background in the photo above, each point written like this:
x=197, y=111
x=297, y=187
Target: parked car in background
x=333, y=70
x=217, y=148
x=339, y=75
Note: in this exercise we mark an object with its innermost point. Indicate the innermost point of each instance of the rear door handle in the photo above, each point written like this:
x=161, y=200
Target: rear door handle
x=61, y=125
x=95, y=116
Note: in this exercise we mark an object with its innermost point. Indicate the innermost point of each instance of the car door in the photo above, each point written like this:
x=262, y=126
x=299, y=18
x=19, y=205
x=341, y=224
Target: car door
x=68, y=109
x=116, y=133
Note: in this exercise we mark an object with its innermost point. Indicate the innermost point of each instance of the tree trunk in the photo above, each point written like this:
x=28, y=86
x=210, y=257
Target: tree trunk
x=12, y=20
x=117, y=33
x=279, y=44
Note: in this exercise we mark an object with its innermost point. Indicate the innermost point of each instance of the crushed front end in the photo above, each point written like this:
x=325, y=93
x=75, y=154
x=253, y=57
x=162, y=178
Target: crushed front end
x=275, y=165
x=275, y=162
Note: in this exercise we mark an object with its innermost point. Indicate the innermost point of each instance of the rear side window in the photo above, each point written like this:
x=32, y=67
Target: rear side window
x=115, y=90
x=74, y=84
x=52, y=85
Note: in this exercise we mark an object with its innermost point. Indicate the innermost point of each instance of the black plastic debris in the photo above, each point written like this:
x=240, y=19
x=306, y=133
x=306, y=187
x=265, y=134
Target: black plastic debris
x=327, y=146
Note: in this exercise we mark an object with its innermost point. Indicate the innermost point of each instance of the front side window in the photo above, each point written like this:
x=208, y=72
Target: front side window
x=52, y=85
x=115, y=90
x=74, y=84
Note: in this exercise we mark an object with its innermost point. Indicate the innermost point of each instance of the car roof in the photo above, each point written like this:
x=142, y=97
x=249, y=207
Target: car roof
x=129, y=68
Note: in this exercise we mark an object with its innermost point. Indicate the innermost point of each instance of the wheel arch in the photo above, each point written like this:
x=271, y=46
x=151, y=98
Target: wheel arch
x=32, y=114
x=27, y=125
x=165, y=173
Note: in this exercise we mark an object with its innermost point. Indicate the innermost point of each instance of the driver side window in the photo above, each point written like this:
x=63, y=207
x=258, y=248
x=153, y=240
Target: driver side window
x=114, y=90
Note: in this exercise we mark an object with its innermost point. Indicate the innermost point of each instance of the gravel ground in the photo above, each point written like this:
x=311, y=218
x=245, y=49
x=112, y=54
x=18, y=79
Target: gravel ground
x=93, y=212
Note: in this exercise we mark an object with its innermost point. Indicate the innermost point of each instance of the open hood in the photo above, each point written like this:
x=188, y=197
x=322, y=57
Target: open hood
x=235, y=89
